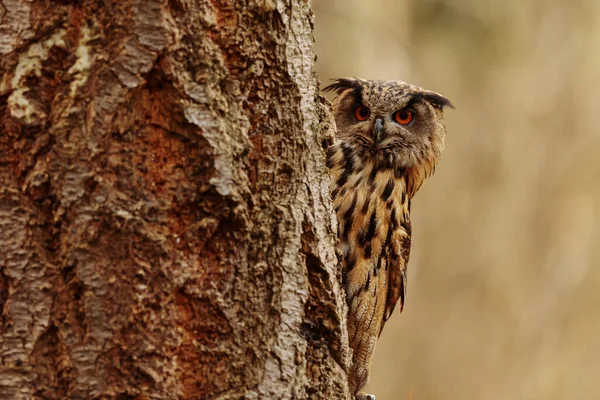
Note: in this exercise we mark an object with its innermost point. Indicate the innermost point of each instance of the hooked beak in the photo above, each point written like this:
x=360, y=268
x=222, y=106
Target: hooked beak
x=377, y=130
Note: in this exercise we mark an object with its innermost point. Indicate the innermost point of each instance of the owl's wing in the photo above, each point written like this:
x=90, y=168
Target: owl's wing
x=397, y=261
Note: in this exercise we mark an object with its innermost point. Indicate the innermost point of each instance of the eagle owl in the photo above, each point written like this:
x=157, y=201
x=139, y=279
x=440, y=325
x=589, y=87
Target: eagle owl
x=389, y=137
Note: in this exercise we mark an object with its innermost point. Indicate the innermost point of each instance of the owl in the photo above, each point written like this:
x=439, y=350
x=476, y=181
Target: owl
x=390, y=135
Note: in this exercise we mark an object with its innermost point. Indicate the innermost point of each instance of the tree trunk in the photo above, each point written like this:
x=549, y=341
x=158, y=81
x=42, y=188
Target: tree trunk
x=165, y=224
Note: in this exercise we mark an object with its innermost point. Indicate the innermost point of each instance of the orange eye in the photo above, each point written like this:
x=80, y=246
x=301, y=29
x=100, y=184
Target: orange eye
x=362, y=113
x=403, y=117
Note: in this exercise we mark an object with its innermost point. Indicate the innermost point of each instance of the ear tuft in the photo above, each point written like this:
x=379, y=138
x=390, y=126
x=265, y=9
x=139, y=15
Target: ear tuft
x=341, y=84
x=437, y=100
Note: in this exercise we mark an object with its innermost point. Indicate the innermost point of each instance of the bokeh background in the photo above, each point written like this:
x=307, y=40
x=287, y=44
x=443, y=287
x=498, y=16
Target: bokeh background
x=504, y=279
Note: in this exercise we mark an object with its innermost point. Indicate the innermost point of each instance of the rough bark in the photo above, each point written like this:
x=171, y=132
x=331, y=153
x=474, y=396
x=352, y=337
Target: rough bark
x=165, y=225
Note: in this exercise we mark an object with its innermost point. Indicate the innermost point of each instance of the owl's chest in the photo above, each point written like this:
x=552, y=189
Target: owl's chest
x=370, y=203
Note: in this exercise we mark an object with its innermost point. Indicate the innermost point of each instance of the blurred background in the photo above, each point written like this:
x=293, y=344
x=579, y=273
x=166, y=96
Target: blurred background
x=504, y=278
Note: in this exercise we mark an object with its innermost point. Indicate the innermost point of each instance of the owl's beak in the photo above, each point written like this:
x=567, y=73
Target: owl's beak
x=377, y=130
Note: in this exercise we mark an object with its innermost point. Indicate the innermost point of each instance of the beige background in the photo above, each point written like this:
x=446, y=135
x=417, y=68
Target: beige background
x=504, y=281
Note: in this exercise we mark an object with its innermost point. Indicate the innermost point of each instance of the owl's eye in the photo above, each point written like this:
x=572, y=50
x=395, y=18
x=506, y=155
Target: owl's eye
x=361, y=113
x=403, y=117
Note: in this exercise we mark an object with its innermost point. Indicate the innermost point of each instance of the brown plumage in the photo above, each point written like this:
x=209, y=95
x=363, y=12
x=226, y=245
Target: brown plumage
x=389, y=137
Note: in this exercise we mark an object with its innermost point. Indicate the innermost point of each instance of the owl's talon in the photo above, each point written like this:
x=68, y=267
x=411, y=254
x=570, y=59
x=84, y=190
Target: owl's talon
x=364, y=396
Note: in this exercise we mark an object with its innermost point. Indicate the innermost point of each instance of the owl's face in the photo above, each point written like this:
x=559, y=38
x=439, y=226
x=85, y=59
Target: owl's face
x=394, y=123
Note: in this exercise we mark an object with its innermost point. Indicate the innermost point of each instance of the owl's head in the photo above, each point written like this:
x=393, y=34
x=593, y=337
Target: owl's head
x=394, y=123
